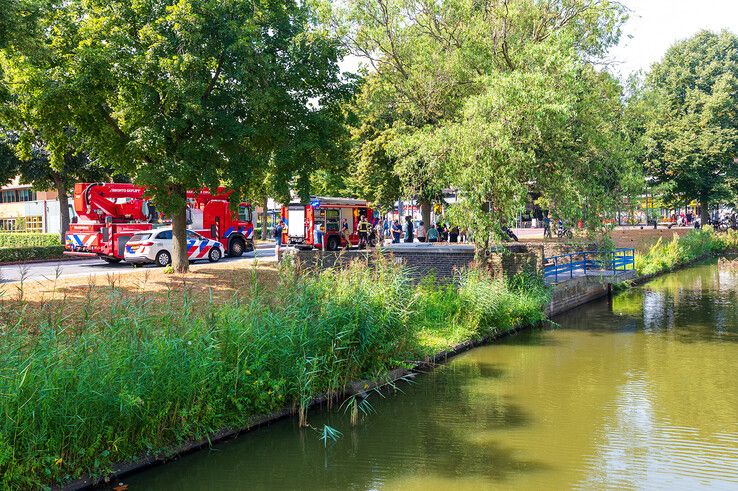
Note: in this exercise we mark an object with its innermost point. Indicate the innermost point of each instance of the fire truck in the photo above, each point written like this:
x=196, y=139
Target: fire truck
x=318, y=223
x=110, y=214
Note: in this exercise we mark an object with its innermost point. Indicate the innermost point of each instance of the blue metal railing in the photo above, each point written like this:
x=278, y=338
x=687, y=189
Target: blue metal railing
x=566, y=265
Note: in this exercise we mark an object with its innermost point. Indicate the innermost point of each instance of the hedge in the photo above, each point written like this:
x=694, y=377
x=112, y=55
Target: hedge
x=28, y=240
x=17, y=254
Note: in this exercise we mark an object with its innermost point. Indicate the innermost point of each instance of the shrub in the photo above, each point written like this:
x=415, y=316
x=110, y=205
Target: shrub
x=17, y=254
x=28, y=240
x=681, y=250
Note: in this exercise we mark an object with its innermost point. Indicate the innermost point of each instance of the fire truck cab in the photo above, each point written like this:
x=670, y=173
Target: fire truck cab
x=318, y=223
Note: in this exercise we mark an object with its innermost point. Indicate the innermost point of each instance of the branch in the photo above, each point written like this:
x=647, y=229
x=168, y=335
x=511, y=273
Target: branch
x=215, y=77
x=112, y=123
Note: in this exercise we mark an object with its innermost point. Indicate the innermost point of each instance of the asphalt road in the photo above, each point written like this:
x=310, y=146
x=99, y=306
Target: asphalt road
x=50, y=270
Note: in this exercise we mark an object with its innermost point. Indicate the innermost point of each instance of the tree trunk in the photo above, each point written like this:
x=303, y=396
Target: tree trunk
x=425, y=211
x=63, y=207
x=704, y=212
x=180, y=261
x=264, y=219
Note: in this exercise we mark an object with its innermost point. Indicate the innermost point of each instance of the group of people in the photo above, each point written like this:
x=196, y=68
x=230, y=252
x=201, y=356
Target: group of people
x=390, y=229
x=434, y=233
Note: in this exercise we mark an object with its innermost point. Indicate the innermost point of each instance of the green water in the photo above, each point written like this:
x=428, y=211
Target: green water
x=639, y=393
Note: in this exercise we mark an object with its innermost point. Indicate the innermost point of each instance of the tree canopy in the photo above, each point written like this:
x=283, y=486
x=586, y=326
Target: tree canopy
x=691, y=123
x=494, y=98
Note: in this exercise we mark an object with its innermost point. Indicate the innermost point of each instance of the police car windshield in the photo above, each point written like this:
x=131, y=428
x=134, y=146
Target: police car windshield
x=138, y=237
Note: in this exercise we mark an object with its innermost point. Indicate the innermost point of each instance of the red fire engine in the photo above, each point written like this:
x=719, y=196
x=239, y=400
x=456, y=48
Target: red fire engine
x=111, y=213
x=318, y=224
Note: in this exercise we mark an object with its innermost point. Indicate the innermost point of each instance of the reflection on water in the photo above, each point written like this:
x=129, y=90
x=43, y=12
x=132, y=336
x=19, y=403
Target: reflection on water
x=637, y=393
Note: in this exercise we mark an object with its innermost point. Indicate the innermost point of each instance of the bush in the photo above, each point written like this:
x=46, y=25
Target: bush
x=28, y=240
x=681, y=250
x=18, y=254
x=132, y=382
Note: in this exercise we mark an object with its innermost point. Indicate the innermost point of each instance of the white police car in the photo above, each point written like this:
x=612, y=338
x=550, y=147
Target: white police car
x=155, y=246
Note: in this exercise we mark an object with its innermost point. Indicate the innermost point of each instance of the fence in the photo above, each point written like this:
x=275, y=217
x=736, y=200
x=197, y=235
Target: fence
x=567, y=265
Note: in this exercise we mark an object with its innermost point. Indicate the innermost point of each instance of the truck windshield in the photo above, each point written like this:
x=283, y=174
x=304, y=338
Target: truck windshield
x=244, y=213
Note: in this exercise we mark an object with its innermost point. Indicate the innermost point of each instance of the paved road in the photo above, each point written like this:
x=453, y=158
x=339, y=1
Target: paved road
x=91, y=267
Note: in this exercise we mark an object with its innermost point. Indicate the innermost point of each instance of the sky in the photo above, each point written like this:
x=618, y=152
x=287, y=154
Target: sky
x=654, y=25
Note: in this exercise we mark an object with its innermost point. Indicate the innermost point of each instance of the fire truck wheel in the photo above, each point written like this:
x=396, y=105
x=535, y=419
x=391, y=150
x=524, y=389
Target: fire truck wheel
x=214, y=255
x=111, y=260
x=236, y=248
x=333, y=244
x=163, y=258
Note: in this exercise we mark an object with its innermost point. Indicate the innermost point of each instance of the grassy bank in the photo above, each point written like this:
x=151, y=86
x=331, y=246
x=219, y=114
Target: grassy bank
x=142, y=376
x=664, y=256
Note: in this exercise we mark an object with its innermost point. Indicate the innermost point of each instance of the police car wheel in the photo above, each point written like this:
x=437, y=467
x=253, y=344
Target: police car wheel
x=214, y=255
x=163, y=258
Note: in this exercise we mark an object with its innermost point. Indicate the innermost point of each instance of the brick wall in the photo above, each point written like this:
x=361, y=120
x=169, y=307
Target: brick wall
x=421, y=260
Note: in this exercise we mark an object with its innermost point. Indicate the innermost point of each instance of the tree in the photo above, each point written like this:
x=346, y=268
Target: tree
x=555, y=130
x=178, y=95
x=458, y=71
x=691, y=135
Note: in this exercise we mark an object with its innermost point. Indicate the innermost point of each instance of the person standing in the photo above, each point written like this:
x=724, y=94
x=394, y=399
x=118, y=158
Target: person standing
x=409, y=229
x=453, y=235
x=422, y=232
x=396, y=232
x=363, y=232
x=432, y=234
x=278, y=231
x=546, y=227
x=345, y=233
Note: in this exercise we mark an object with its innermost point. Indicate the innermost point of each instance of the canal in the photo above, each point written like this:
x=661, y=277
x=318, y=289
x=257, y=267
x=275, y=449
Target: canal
x=639, y=392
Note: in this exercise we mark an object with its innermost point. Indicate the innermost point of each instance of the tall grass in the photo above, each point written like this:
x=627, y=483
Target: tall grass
x=136, y=381
x=681, y=250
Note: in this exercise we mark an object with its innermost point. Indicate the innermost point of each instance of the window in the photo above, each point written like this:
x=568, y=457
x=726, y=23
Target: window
x=10, y=196
x=193, y=236
x=34, y=224
x=244, y=213
x=165, y=235
x=139, y=237
x=26, y=195
x=331, y=217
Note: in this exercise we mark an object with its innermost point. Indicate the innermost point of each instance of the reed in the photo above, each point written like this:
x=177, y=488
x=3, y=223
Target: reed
x=141, y=377
x=663, y=256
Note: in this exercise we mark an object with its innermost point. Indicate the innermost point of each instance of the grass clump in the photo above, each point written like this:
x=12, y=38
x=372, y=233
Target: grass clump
x=142, y=378
x=681, y=250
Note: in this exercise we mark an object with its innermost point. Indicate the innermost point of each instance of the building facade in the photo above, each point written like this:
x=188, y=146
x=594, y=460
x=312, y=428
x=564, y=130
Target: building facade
x=24, y=210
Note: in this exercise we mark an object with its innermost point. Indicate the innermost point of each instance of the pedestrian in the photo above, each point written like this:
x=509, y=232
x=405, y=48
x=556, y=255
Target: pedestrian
x=433, y=233
x=444, y=233
x=363, y=232
x=422, y=232
x=278, y=231
x=453, y=234
x=396, y=232
x=345, y=233
x=546, y=227
x=409, y=232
